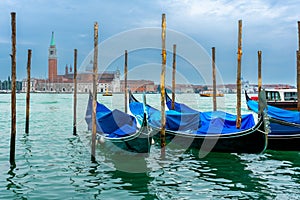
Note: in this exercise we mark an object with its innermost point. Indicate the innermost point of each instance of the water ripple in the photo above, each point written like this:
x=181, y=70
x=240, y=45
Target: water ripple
x=51, y=163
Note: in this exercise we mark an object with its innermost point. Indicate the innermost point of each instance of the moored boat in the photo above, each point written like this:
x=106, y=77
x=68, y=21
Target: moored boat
x=119, y=131
x=107, y=93
x=284, y=124
x=208, y=131
x=209, y=93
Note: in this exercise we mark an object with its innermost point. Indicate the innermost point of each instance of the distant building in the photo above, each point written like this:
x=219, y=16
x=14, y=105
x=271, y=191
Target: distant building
x=184, y=88
x=5, y=86
x=138, y=86
x=107, y=81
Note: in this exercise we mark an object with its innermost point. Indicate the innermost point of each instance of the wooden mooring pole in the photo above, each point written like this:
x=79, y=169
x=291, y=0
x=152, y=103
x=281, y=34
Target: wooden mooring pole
x=259, y=79
x=95, y=81
x=298, y=80
x=162, y=87
x=13, y=92
x=28, y=91
x=299, y=35
x=125, y=80
x=238, y=80
x=213, y=51
x=298, y=69
x=174, y=77
x=75, y=94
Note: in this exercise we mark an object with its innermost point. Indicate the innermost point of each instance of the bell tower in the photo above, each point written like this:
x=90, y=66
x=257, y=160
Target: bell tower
x=52, y=60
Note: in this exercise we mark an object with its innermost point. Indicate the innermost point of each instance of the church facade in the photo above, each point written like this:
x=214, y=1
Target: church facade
x=55, y=83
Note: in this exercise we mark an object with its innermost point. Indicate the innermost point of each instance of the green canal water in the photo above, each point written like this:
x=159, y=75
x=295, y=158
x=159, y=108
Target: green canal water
x=51, y=163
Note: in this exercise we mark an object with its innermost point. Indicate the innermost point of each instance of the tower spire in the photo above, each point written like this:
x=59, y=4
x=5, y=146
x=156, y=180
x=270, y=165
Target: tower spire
x=52, y=61
x=52, y=43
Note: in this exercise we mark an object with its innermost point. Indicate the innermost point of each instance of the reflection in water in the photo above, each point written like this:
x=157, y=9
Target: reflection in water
x=191, y=177
x=11, y=185
x=136, y=183
x=17, y=175
x=277, y=176
x=114, y=171
x=227, y=171
x=291, y=161
x=241, y=177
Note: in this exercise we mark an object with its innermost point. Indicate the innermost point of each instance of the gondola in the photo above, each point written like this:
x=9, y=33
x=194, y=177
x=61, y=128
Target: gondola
x=118, y=131
x=284, y=124
x=207, y=131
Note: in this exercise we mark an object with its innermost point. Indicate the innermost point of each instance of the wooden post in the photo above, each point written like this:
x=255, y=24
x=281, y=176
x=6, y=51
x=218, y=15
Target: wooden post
x=298, y=69
x=298, y=80
x=75, y=93
x=125, y=80
x=238, y=80
x=174, y=77
x=162, y=87
x=13, y=91
x=95, y=81
x=259, y=79
x=28, y=92
x=299, y=35
x=214, y=79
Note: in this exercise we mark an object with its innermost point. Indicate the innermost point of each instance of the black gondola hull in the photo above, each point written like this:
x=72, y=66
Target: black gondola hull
x=140, y=144
x=284, y=136
x=251, y=141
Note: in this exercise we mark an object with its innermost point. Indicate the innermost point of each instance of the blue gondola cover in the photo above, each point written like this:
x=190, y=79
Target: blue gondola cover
x=192, y=121
x=113, y=123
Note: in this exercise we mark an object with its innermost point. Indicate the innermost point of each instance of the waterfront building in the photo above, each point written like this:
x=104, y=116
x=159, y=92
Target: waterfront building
x=139, y=86
x=107, y=81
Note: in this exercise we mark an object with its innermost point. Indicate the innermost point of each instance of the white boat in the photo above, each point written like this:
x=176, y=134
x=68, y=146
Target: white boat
x=285, y=98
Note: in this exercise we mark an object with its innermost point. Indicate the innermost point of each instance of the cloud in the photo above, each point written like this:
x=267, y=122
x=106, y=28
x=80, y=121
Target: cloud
x=221, y=9
x=195, y=14
x=267, y=25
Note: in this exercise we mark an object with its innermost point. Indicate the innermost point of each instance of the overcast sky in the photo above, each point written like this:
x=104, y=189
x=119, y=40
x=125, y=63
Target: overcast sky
x=268, y=25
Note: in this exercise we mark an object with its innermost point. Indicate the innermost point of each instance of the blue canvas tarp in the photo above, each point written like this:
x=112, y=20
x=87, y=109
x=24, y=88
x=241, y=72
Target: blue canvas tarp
x=114, y=123
x=179, y=107
x=228, y=119
x=214, y=120
x=174, y=121
x=277, y=113
x=194, y=122
x=222, y=122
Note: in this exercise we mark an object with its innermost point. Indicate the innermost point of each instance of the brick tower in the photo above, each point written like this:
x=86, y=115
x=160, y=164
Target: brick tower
x=52, y=61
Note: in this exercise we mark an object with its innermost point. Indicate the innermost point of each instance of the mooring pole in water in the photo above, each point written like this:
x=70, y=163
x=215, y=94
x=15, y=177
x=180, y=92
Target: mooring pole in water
x=213, y=51
x=174, y=77
x=259, y=79
x=95, y=80
x=28, y=91
x=298, y=69
x=299, y=35
x=125, y=82
x=238, y=79
x=298, y=80
x=162, y=87
x=13, y=91
x=75, y=94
